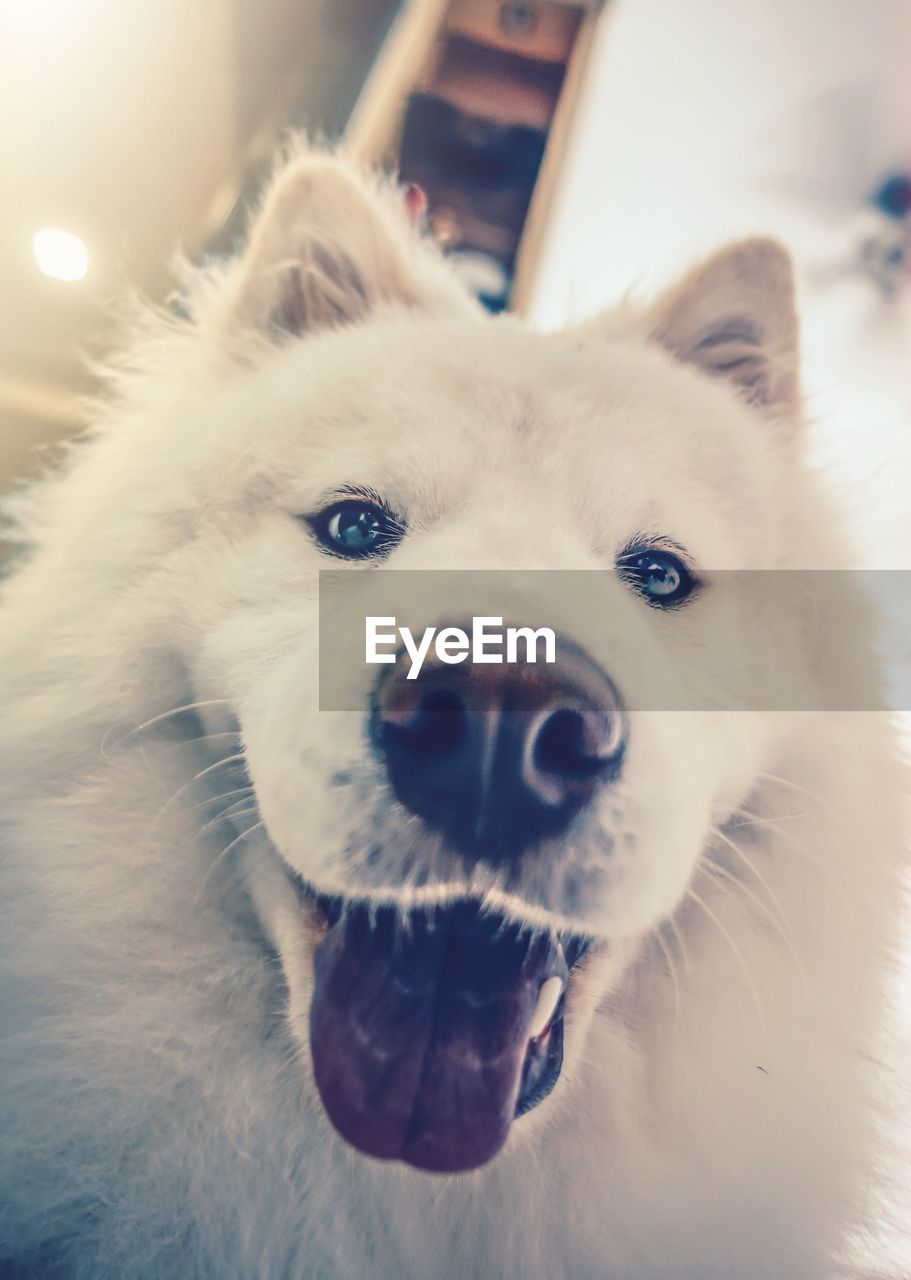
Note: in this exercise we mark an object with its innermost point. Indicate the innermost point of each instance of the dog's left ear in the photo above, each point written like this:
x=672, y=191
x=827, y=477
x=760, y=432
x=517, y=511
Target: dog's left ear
x=330, y=245
x=734, y=317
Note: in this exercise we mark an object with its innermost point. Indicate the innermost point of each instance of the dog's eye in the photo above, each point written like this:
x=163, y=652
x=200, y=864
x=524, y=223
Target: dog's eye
x=356, y=528
x=659, y=576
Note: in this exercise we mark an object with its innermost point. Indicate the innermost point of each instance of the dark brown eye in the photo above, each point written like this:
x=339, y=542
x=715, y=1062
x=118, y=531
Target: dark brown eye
x=356, y=529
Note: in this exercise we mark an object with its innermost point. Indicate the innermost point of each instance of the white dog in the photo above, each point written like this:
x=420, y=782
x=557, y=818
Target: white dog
x=437, y=985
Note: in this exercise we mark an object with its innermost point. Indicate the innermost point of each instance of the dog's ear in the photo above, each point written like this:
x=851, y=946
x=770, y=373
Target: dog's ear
x=328, y=246
x=734, y=317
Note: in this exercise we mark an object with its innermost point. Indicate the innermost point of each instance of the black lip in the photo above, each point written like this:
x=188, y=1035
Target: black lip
x=544, y=1059
x=543, y=1064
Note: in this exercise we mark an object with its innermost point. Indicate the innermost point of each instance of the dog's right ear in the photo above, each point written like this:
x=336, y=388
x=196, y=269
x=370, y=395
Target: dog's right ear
x=328, y=247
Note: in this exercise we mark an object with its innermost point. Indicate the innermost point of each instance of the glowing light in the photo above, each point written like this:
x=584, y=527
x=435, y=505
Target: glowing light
x=60, y=254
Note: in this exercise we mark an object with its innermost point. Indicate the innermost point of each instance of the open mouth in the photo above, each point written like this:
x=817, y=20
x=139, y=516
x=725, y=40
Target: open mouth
x=433, y=1030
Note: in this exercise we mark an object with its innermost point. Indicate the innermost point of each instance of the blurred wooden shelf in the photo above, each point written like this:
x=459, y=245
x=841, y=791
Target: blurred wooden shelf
x=474, y=101
x=544, y=31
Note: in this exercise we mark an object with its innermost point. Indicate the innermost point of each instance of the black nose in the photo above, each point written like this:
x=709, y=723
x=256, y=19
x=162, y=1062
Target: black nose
x=496, y=757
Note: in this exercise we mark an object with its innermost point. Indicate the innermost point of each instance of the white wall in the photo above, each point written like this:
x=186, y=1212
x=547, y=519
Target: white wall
x=707, y=119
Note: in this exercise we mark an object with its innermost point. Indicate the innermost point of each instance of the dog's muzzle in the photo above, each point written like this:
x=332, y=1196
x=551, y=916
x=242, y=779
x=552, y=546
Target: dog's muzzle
x=431, y=1030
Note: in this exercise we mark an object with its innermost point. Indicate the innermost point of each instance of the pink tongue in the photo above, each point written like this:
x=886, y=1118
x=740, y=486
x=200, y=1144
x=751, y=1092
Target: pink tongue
x=419, y=1031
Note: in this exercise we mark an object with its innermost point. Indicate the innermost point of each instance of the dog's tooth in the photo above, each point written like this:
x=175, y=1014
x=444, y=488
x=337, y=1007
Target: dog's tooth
x=548, y=999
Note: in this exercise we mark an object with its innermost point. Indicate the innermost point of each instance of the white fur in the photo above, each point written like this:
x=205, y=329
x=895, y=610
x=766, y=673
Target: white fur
x=713, y=1119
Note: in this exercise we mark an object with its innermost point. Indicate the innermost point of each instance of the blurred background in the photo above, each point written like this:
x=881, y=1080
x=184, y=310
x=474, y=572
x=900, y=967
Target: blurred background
x=143, y=126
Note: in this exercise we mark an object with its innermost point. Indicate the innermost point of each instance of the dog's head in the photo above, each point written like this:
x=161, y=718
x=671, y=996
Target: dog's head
x=460, y=866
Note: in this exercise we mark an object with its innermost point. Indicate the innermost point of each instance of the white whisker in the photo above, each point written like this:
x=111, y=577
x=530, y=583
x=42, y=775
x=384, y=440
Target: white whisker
x=715, y=869
x=678, y=937
x=200, y=737
x=751, y=818
x=186, y=706
x=296, y=1054
x=197, y=777
x=232, y=812
x=736, y=952
x=754, y=871
x=672, y=970
x=248, y=789
x=165, y=715
x=824, y=869
x=794, y=786
x=224, y=853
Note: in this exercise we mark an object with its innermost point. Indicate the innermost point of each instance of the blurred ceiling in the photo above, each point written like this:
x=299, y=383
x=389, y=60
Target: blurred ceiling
x=145, y=125
x=141, y=126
